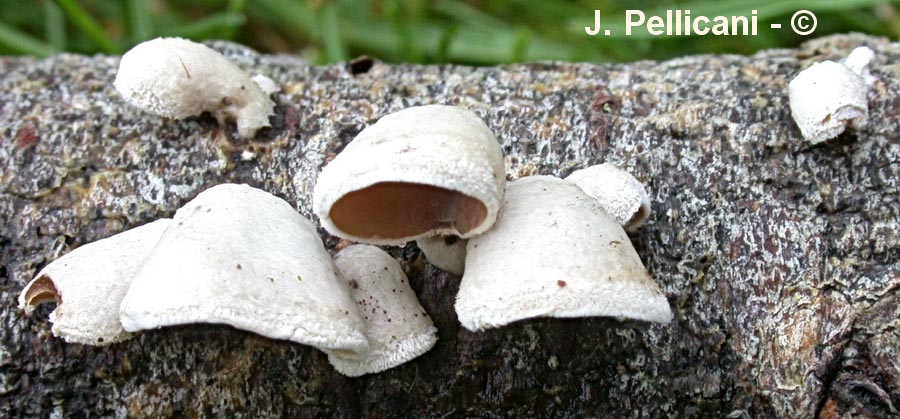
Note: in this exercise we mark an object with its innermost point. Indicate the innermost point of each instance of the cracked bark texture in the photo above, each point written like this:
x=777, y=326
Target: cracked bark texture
x=781, y=260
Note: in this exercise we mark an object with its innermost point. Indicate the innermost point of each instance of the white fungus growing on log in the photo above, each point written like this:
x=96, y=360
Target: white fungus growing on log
x=177, y=78
x=617, y=191
x=239, y=256
x=554, y=252
x=828, y=97
x=419, y=172
x=397, y=326
x=445, y=252
x=89, y=283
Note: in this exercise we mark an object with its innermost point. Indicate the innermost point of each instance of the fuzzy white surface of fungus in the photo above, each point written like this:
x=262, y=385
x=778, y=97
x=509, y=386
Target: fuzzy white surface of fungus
x=828, y=97
x=240, y=256
x=617, y=191
x=397, y=326
x=89, y=283
x=177, y=78
x=267, y=85
x=858, y=61
x=419, y=172
x=554, y=252
x=447, y=253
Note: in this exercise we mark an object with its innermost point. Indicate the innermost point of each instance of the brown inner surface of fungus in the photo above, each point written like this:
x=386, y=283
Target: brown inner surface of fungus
x=43, y=290
x=396, y=210
x=639, y=215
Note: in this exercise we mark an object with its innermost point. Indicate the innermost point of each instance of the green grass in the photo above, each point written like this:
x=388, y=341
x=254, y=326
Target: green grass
x=481, y=32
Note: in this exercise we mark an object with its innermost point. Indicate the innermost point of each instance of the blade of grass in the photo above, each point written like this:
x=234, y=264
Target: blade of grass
x=54, y=25
x=893, y=24
x=443, y=52
x=467, y=45
x=489, y=46
x=234, y=6
x=87, y=24
x=520, y=47
x=382, y=39
x=330, y=32
x=207, y=27
x=392, y=36
x=139, y=21
x=463, y=12
x=24, y=43
x=293, y=16
x=858, y=20
x=408, y=47
x=542, y=11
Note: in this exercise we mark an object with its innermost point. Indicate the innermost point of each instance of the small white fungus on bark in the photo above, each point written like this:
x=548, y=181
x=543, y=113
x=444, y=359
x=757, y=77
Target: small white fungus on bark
x=176, y=78
x=617, y=191
x=447, y=253
x=554, y=252
x=423, y=171
x=397, y=326
x=240, y=256
x=89, y=283
x=829, y=97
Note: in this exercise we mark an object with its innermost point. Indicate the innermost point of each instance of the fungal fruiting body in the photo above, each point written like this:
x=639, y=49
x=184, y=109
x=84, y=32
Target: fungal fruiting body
x=554, y=252
x=858, y=62
x=397, y=326
x=177, y=78
x=445, y=252
x=239, y=256
x=828, y=97
x=419, y=172
x=267, y=85
x=617, y=191
x=88, y=284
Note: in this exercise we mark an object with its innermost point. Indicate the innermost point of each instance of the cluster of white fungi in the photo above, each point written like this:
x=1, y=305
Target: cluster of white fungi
x=537, y=246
